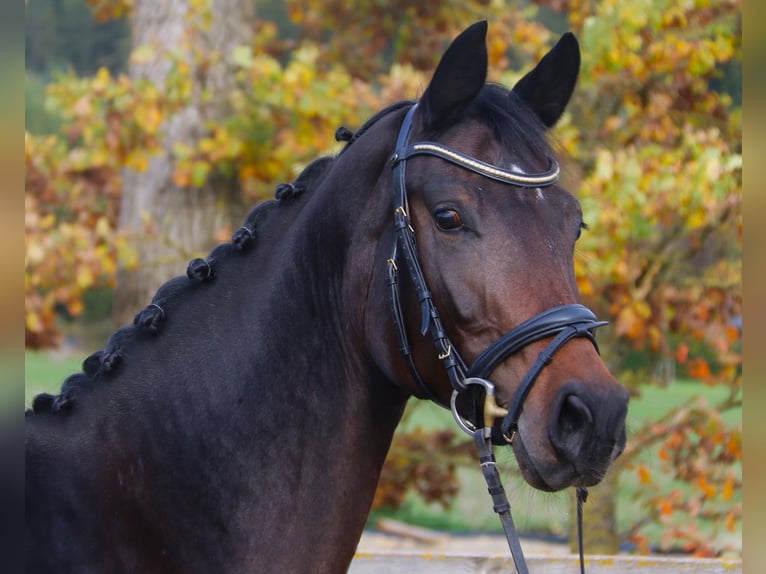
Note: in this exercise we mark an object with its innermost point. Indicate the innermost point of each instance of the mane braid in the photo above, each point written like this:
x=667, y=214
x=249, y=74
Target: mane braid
x=350, y=139
x=149, y=321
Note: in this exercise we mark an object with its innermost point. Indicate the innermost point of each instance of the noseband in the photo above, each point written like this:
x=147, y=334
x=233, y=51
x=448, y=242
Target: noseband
x=562, y=323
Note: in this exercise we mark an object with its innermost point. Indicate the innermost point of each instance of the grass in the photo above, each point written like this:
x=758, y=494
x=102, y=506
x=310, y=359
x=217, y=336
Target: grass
x=44, y=372
x=471, y=511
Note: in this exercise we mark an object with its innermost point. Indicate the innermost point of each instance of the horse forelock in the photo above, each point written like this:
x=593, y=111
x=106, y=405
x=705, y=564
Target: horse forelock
x=512, y=122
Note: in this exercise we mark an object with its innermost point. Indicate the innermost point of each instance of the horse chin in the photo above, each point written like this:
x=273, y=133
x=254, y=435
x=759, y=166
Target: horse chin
x=550, y=477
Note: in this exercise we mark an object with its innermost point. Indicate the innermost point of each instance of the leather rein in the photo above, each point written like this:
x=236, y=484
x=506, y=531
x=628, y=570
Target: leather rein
x=562, y=323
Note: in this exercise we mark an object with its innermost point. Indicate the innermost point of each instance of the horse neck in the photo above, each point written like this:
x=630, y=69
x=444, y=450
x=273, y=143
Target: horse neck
x=332, y=413
x=262, y=391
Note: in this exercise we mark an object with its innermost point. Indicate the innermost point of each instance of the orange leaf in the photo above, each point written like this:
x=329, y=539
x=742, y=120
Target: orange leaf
x=708, y=490
x=74, y=307
x=734, y=445
x=629, y=323
x=698, y=369
x=727, y=490
x=731, y=522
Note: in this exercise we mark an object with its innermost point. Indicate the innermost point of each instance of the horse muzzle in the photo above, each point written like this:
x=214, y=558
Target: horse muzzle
x=585, y=420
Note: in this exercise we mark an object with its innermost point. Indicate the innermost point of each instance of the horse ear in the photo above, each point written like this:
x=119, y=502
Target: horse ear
x=548, y=87
x=458, y=78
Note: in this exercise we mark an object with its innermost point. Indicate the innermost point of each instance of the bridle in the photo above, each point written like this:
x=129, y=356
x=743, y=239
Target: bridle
x=562, y=323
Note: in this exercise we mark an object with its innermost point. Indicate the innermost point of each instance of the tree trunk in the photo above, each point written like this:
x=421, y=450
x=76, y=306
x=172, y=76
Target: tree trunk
x=168, y=225
x=599, y=517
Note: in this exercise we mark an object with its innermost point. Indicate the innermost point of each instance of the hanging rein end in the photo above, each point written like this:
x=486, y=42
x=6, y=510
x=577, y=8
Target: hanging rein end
x=582, y=497
x=483, y=442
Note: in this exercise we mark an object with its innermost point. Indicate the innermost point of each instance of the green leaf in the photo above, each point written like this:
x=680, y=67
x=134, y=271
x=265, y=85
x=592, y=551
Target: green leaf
x=199, y=173
x=242, y=56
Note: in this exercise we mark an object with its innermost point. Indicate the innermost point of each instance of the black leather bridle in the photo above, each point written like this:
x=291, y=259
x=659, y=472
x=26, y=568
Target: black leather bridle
x=563, y=323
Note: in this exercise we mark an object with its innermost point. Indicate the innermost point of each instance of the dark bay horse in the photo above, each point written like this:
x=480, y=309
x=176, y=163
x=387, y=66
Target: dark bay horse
x=240, y=424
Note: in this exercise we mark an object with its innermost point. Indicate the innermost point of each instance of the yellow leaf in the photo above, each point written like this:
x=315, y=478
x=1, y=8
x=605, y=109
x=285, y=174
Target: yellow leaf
x=142, y=55
x=84, y=277
x=103, y=228
x=148, y=118
x=696, y=219
x=35, y=253
x=47, y=221
x=34, y=323
x=207, y=145
x=108, y=266
x=102, y=79
x=136, y=160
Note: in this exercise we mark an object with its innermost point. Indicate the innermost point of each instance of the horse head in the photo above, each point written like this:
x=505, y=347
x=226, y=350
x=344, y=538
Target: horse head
x=487, y=237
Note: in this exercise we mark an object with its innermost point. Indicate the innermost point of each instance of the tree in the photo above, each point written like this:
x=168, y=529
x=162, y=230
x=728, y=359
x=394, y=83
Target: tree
x=170, y=219
x=280, y=114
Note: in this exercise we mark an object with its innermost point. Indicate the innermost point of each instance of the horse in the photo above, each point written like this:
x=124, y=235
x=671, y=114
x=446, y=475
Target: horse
x=241, y=422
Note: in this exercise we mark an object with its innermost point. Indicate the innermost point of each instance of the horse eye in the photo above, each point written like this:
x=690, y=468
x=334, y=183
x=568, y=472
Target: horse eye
x=448, y=219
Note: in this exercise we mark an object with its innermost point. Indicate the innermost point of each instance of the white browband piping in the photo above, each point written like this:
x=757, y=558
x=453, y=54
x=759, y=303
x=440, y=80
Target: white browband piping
x=513, y=177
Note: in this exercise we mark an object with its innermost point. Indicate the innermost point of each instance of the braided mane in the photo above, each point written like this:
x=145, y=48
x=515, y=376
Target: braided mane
x=149, y=321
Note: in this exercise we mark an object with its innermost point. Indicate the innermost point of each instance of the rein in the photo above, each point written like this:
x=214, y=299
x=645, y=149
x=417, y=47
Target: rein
x=563, y=323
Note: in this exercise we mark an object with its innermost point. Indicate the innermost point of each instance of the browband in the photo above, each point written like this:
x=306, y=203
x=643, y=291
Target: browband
x=477, y=166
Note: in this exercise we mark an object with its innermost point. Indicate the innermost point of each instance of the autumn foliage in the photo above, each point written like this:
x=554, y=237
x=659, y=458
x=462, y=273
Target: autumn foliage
x=424, y=463
x=661, y=189
x=652, y=145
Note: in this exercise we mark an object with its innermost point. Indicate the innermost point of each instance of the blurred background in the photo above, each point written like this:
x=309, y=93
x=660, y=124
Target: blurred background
x=142, y=117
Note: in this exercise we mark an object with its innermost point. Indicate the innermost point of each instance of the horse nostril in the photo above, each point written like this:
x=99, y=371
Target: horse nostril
x=575, y=415
x=572, y=427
